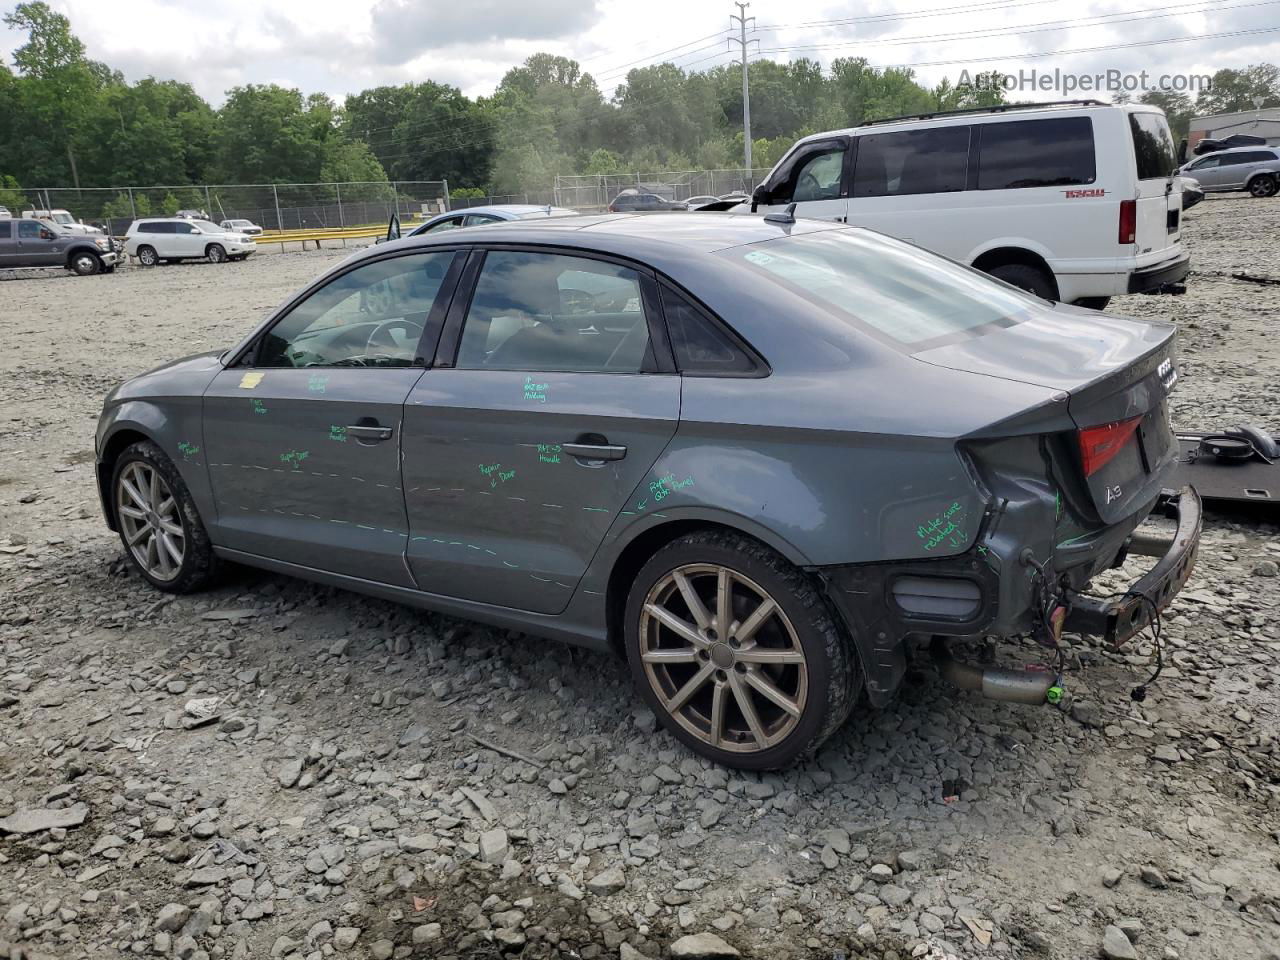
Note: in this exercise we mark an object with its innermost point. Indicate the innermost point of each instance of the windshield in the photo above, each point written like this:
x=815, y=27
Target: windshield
x=64, y=218
x=204, y=226
x=892, y=287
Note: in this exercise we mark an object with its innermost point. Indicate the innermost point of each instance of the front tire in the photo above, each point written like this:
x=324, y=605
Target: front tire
x=1030, y=279
x=147, y=256
x=1263, y=186
x=216, y=253
x=160, y=527
x=737, y=653
x=85, y=264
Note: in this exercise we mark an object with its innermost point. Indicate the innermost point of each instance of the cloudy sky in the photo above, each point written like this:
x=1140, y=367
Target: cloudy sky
x=343, y=47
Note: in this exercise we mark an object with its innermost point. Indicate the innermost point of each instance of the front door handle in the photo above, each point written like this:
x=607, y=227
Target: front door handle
x=366, y=433
x=594, y=451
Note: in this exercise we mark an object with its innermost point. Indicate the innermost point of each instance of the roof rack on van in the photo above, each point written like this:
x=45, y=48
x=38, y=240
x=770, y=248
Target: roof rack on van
x=1002, y=108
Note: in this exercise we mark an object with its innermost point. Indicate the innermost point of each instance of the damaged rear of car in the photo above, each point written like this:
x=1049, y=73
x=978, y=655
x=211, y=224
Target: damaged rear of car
x=1076, y=451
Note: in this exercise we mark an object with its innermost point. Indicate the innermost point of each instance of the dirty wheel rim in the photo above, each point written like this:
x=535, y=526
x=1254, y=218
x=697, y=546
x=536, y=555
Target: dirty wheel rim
x=217, y=254
x=723, y=658
x=1263, y=187
x=150, y=520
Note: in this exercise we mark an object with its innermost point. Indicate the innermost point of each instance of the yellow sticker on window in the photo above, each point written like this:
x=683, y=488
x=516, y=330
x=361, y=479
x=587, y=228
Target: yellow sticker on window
x=251, y=380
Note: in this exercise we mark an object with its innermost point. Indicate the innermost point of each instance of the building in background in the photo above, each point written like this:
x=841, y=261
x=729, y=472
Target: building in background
x=1263, y=123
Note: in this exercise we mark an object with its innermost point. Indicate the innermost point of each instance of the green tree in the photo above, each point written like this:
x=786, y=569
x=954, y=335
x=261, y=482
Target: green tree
x=1177, y=107
x=1237, y=90
x=11, y=194
x=269, y=134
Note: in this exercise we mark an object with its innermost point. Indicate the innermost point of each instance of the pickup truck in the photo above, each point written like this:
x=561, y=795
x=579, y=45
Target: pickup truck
x=35, y=243
x=63, y=220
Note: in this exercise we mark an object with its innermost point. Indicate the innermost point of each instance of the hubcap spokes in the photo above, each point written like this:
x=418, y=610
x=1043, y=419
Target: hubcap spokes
x=723, y=659
x=150, y=521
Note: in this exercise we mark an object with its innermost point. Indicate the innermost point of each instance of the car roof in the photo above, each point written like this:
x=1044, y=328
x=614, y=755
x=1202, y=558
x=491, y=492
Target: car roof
x=1248, y=148
x=512, y=210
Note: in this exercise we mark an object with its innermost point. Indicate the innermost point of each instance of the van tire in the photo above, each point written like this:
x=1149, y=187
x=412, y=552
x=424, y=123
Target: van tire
x=1262, y=186
x=1031, y=279
x=1093, y=303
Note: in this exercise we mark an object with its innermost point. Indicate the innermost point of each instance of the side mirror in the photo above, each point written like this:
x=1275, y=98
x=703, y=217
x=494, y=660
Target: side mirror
x=760, y=195
x=46, y=234
x=393, y=227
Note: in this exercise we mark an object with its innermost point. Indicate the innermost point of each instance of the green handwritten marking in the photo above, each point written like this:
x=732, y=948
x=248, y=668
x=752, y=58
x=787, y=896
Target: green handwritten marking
x=548, y=453
x=258, y=406
x=663, y=487
x=982, y=550
x=595, y=509
x=317, y=382
x=511, y=565
x=189, y=450
x=1057, y=505
x=943, y=529
x=337, y=433
x=641, y=504
x=534, y=391
x=1073, y=540
x=294, y=457
x=496, y=474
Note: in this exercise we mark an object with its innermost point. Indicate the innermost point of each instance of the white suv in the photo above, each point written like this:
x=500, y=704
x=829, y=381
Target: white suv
x=168, y=239
x=1074, y=201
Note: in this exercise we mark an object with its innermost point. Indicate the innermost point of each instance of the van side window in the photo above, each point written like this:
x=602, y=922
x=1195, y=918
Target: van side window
x=1036, y=153
x=811, y=172
x=1153, y=150
x=934, y=160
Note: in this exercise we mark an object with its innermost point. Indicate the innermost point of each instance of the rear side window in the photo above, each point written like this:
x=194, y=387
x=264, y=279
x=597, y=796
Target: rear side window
x=935, y=160
x=1152, y=146
x=5, y=230
x=156, y=226
x=701, y=346
x=1258, y=156
x=1036, y=153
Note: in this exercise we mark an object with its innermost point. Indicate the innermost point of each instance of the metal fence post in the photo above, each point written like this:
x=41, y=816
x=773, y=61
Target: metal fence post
x=341, y=220
x=446, y=206
x=276, y=195
x=208, y=204
x=395, y=195
x=133, y=209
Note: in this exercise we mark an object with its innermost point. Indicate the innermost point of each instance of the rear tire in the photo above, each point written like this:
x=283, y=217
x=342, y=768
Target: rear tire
x=759, y=692
x=1031, y=279
x=85, y=264
x=216, y=253
x=160, y=527
x=1263, y=186
x=147, y=256
x=1093, y=303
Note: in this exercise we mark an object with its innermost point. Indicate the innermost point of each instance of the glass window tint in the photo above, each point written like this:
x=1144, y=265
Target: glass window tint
x=373, y=316
x=6, y=231
x=475, y=219
x=539, y=311
x=700, y=346
x=1208, y=163
x=818, y=177
x=1257, y=156
x=28, y=228
x=1152, y=146
x=935, y=160
x=452, y=223
x=1036, y=153
x=886, y=285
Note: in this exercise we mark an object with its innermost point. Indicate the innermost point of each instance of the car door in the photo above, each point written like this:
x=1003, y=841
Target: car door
x=187, y=241
x=1209, y=171
x=541, y=416
x=302, y=434
x=813, y=178
x=40, y=246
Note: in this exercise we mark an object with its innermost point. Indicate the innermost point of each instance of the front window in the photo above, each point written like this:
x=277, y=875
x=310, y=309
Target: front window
x=204, y=226
x=890, y=287
x=63, y=218
x=372, y=316
x=819, y=177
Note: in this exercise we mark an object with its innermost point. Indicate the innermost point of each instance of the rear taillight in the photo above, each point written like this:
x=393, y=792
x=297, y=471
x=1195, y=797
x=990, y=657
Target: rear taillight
x=1128, y=221
x=1099, y=445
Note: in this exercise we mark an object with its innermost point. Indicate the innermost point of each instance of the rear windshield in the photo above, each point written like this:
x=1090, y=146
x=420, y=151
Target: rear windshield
x=1152, y=146
x=891, y=287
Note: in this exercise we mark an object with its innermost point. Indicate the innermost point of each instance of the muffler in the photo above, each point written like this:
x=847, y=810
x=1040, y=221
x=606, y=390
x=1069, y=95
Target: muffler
x=994, y=683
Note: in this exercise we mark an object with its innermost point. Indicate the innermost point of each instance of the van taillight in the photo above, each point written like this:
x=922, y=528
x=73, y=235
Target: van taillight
x=1099, y=445
x=1128, y=221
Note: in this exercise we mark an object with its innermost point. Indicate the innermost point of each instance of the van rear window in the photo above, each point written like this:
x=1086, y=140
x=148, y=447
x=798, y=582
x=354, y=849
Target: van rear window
x=1036, y=153
x=1152, y=146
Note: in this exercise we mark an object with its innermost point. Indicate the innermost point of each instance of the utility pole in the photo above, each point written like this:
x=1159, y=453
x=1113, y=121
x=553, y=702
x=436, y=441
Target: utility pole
x=742, y=20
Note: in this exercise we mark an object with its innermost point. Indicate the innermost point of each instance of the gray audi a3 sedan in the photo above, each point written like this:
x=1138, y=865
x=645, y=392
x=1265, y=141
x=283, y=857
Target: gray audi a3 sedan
x=764, y=460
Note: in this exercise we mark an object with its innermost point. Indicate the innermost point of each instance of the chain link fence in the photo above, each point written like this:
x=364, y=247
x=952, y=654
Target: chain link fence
x=272, y=206
x=594, y=193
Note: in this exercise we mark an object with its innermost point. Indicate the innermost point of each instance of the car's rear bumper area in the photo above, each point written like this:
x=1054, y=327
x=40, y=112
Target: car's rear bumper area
x=1118, y=618
x=1164, y=277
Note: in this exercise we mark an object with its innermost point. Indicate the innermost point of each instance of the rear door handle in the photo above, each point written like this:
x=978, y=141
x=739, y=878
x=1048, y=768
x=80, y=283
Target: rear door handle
x=594, y=451
x=369, y=434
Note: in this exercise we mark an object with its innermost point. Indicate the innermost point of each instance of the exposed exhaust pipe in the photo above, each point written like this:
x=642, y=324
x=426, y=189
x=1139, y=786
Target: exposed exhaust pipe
x=994, y=683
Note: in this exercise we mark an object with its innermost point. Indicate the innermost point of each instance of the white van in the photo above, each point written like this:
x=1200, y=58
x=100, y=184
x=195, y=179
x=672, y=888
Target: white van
x=1075, y=200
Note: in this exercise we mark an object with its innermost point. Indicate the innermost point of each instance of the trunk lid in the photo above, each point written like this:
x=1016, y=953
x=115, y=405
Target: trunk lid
x=1112, y=371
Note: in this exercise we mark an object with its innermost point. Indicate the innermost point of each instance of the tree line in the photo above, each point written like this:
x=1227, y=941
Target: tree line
x=69, y=121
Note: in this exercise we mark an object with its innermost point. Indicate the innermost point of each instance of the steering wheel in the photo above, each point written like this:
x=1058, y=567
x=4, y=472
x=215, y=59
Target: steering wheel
x=808, y=186
x=576, y=301
x=412, y=329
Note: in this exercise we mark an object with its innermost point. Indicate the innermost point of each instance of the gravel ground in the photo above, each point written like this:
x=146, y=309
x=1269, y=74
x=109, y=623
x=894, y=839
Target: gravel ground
x=378, y=782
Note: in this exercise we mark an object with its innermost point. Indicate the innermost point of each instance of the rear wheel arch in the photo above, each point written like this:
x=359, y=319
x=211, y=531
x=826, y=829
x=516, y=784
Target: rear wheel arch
x=997, y=257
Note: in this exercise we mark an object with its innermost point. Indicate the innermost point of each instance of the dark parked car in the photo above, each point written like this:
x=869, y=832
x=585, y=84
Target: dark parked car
x=758, y=457
x=35, y=243
x=633, y=201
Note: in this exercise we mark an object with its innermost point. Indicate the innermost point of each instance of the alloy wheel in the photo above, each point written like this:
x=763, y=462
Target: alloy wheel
x=147, y=257
x=723, y=658
x=216, y=253
x=1263, y=187
x=85, y=264
x=150, y=520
